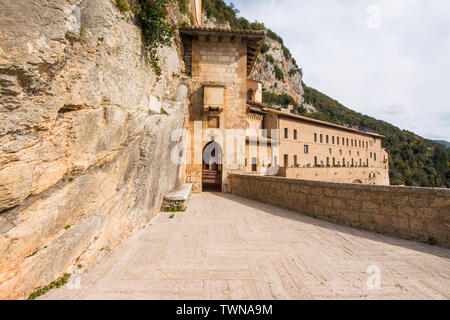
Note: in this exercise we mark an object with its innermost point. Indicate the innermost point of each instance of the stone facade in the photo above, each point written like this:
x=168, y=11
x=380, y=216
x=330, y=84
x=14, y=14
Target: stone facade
x=221, y=63
x=219, y=69
x=336, y=154
x=421, y=214
x=316, y=150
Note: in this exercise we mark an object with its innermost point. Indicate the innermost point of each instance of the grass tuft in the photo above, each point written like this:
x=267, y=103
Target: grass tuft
x=122, y=5
x=55, y=284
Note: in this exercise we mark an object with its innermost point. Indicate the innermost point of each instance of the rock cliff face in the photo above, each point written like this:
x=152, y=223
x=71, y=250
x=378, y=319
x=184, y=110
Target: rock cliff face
x=264, y=71
x=85, y=136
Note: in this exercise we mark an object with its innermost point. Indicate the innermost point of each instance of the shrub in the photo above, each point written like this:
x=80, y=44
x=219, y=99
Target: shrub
x=286, y=53
x=122, y=5
x=292, y=72
x=270, y=59
x=284, y=100
x=156, y=32
x=272, y=35
x=223, y=13
x=278, y=73
x=183, y=5
x=432, y=241
x=265, y=47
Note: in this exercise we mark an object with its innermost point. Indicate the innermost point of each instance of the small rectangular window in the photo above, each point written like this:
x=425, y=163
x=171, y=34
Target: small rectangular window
x=286, y=133
x=213, y=122
x=347, y=142
x=326, y=139
x=332, y=139
x=286, y=160
x=295, y=160
x=295, y=134
x=375, y=156
x=315, y=137
x=254, y=164
x=306, y=148
x=337, y=140
x=321, y=138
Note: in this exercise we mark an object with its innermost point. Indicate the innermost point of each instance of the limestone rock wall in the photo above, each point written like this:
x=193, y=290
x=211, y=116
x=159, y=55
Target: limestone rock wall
x=85, y=135
x=264, y=71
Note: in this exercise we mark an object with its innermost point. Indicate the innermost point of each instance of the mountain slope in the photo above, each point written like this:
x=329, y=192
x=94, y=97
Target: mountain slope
x=413, y=159
x=443, y=142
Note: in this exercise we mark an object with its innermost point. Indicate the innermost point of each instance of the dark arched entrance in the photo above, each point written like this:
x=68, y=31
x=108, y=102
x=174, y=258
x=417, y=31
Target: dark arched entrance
x=212, y=167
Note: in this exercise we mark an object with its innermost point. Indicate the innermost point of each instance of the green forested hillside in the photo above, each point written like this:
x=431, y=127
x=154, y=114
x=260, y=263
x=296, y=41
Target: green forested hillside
x=413, y=159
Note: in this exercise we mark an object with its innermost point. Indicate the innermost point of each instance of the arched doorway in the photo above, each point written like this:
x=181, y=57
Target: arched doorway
x=358, y=181
x=212, y=167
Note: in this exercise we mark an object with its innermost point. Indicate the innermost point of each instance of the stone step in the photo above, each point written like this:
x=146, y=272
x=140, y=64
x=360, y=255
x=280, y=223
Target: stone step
x=177, y=199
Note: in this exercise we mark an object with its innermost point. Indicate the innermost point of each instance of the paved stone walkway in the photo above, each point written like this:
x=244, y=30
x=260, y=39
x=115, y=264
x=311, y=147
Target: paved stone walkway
x=226, y=247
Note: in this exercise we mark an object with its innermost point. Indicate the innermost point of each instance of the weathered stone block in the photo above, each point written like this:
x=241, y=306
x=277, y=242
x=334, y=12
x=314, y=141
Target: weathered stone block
x=415, y=224
x=368, y=206
x=338, y=203
x=407, y=211
x=420, y=201
x=387, y=209
x=353, y=205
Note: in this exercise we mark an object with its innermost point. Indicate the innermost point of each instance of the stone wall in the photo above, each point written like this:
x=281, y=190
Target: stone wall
x=85, y=129
x=421, y=214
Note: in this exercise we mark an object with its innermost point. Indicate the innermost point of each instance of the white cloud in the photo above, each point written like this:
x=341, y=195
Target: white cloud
x=405, y=63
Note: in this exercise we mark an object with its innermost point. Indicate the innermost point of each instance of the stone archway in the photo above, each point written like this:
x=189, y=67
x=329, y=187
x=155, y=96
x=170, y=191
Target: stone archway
x=212, y=167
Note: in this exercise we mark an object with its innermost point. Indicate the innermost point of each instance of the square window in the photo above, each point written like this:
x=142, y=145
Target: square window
x=213, y=122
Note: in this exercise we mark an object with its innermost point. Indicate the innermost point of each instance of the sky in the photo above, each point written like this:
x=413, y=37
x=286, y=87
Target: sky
x=389, y=59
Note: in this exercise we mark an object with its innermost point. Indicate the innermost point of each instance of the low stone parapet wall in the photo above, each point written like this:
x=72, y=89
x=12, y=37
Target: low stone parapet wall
x=421, y=214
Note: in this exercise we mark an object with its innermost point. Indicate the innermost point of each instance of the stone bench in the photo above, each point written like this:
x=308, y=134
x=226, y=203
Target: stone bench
x=176, y=200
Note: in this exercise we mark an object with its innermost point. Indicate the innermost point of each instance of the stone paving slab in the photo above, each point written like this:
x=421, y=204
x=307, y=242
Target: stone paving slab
x=226, y=247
